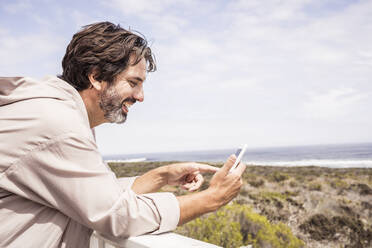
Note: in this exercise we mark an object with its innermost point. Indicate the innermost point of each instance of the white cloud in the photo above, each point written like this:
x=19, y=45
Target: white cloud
x=17, y=6
x=143, y=7
x=20, y=48
x=81, y=19
x=193, y=51
x=165, y=18
x=3, y=31
x=268, y=11
x=28, y=54
x=333, y=104
x=364, y=58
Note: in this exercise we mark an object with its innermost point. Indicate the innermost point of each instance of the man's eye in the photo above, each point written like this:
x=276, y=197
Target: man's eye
x=132, y=84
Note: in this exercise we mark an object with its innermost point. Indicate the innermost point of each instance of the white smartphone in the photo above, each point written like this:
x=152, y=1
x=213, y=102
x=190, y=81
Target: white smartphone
x=239, y=155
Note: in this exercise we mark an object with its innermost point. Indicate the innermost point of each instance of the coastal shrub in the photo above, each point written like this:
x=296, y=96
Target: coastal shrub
x=315, y=187
x=218, y=228
x=269, y=198
x=249, y=175
x=366, y=205
x=291, y=193
x=244, y=191
x=294, y=202
x=237, y=225
x=321, y=227
x=256, y=183
x=363, y=189
x=293, y=184
x=241, y=200
x=310, y=178
x=300, y=178
x=278, y=177
x=339, y=184
x=272, y=195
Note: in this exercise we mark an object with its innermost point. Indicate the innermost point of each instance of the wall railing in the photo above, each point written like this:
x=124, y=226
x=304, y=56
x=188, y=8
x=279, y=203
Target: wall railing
x=165, y=240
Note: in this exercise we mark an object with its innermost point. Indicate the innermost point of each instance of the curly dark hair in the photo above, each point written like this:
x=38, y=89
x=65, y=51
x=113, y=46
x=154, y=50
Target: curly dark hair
x=104, y=49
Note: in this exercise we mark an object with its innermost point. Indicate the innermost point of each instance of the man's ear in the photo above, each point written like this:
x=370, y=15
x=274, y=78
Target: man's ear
x=94, y=83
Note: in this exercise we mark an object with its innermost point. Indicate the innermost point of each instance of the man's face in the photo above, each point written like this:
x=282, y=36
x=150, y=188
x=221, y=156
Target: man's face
x=127, y=88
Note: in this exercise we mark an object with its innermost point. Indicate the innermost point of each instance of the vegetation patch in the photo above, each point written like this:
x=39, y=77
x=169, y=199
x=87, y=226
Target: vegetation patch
x=278, y=177
x=362, y=188
x=293, y=184
x=256, y=183
x=286, y=197
x=321, y=227
x=237, y=225
x=315, y=187
x=294, y=202
x=367, y=205
x=339, y=184
x=272, y=195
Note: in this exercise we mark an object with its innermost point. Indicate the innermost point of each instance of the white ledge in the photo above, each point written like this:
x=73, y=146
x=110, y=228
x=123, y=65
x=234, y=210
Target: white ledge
x=165, y=240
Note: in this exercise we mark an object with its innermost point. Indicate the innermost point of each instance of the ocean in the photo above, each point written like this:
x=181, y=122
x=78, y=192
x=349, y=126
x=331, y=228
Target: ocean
x=334, y=156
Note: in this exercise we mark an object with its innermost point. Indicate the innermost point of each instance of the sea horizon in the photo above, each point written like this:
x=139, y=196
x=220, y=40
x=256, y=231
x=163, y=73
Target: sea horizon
x=356, y=155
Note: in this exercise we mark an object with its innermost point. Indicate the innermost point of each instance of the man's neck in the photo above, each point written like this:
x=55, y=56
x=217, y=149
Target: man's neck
x=91, y=99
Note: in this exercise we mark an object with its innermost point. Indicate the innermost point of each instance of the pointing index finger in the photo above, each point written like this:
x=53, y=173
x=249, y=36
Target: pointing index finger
x=205, y=168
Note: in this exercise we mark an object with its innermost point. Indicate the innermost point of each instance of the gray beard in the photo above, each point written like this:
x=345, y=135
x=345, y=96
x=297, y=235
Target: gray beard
x=111, y=104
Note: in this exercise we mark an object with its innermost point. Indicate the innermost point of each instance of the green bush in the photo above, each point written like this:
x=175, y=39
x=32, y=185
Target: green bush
x=217, y=228
x=278, y=177
x=256, y=183
x=315, y=187
x=339, y=184
x=272, y=195
x=237, y=225
x=293, y=184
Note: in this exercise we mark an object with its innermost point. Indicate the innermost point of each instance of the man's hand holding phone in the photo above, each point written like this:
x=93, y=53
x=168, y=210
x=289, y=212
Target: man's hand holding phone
x=224, y=186
x=226, y=183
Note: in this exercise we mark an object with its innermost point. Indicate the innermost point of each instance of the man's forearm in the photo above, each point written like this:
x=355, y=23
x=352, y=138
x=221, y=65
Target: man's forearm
x=194, y=205
x=151, y=181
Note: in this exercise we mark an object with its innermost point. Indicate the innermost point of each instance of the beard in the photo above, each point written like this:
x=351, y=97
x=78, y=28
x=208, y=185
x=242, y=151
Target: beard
x=111, y=105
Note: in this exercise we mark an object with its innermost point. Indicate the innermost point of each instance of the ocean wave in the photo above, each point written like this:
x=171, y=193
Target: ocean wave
x=317, y=162
x=131, y=160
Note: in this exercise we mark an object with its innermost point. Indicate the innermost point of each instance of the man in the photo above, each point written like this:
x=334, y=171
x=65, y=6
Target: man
x=54, y=187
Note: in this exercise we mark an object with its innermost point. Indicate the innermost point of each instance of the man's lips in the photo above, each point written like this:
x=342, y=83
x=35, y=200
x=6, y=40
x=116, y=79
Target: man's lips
x=124, y=108
x=126, y=104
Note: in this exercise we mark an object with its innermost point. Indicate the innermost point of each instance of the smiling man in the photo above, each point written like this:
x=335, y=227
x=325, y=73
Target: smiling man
x=116, y=98
x=54, y=187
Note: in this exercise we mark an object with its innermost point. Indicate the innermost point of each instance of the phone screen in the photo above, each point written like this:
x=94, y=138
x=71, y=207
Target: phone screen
x=238, y=151
x=239, y=155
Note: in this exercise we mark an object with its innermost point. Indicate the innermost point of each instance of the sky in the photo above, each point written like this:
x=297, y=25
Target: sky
x=262, y=72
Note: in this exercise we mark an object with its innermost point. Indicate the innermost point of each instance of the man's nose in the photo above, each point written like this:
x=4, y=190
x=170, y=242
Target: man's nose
x=139, y=94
